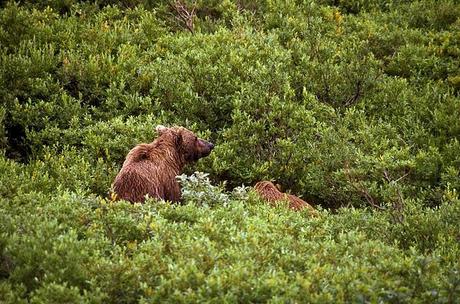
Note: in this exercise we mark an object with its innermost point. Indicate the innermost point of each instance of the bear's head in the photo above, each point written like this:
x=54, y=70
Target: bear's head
x=186, y=142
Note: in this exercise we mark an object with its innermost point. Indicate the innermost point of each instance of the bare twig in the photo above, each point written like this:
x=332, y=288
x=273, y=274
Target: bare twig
x=398, y=204
x=362, y=190
x=185, y=15
x=352, y=99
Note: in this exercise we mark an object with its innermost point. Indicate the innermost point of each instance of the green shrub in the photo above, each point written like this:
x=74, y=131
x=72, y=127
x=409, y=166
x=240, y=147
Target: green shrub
x=83, y=249
x=351, y=105
x=197, y=189
x=99, y=69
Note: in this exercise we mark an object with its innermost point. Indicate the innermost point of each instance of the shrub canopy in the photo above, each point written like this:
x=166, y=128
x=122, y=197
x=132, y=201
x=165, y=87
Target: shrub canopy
x=352, y=105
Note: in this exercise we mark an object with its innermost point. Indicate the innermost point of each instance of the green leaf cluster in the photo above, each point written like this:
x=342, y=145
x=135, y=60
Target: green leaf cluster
x=352, y=105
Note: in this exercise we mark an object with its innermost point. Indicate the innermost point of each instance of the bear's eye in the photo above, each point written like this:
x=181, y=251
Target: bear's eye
x=196, y=138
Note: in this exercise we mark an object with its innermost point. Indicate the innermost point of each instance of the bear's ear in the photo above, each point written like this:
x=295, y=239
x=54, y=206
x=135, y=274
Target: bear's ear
x=278, y=186
x=178, y=138
x=161, y=129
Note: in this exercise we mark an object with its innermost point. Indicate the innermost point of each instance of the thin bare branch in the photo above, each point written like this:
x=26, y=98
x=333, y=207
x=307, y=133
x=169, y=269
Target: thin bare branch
x=354, y=98
x=398, y=204
x=362, y=190
x=185, y=15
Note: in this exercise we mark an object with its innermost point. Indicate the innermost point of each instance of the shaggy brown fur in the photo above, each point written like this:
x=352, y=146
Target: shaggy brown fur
x=152, y=168
x=270, y=193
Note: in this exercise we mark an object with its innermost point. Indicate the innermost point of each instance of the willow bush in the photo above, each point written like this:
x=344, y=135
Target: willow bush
x=351, y=105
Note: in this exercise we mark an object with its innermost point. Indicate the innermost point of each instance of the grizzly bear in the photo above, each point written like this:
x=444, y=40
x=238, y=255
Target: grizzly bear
x=270, y=193
x=151, y=169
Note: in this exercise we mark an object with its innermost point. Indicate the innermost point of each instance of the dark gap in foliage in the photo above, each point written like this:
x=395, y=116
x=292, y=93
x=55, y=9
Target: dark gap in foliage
x=16, y=148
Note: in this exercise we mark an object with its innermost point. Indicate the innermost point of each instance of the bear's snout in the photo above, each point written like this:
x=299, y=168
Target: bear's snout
x=208, y=146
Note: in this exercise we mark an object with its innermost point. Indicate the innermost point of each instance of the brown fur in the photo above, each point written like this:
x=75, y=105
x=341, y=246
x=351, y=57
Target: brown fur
x=270, y=193
x=152, y=168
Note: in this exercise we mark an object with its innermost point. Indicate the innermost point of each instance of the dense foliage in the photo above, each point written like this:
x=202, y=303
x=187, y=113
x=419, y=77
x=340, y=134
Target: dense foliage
x=353, y=105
